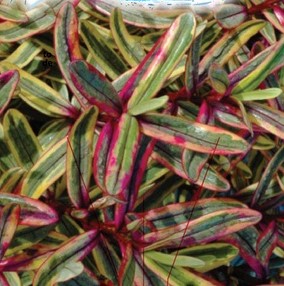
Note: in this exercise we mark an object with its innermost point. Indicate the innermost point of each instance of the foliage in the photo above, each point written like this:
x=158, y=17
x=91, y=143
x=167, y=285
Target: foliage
x=141, y=149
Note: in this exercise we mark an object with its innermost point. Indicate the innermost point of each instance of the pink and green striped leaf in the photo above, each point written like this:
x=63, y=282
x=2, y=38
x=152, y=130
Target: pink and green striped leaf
x=22, y=141
x=266, y=243
x=40, y=19
x=127, y=266
x=25, y=262
x=73, y=250
x=47, y=170
x=172, y=157
x=25, y=237
x=123, y=149
x=160, y=62
x=40, y=95
x=274, y=61
x=245, y=240
x=107, y=57
x=229, y=44
x=218, y=78
x=66, y=44
x=10, y=215
x=129, y=47
x=268, y=118
x=191, y=75
x=101, y=154
x=11, y=14
x=249, y=66
x=33, y=212
x=95, y=87
x=268, y=174
x=79, y=157
x=8, y=84
x=192, y=135
x=204, y=229
x=175, y=214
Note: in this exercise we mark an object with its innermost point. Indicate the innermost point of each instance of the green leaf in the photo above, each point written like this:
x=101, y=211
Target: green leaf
x=73, y=250
x=193, y=163
x=207, y=228
x=149, y=105
x=266, y=243
x=218, y=78
x=129, y=47
x=8, y=83
x=127, y=267
x=160, y=62
x=10, y=179
x=180, y=162
x=21, y=139
x=229, y=44
x=70, y=270
x=33, y=212
x=10, y=215
x=40, y=95
x=40, y=19
x=95, y=87
x=213, y=255
x=66, y=44
x=46, y=171
x=230, y=15
x=79, y=157
x=11, y=14
x=26, y=237
x=12, y=278
x=101, y=154
x=260, y=94
x=179, y=276
x=102, y=52
x=273, y=61
x=192, y=135
x=123, y=149
x=24, y=54
x=179, y=260
x=106, y=259
x=267, y=175
x=7, y=160
x=266, y=117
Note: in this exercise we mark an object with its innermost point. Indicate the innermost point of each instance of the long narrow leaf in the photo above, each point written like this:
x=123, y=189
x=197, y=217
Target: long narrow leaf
x=40, y=95
x=72, y=250
x=95, y=87
x=21, y=139
x=154, y=70
x=130, y=48
x=267, y=175
x=46, y=171
x=33, y=212
x=10, y=215
x=79, y=157
x=123, y=148
x=66, y=43
x=192, y=135
x=8, y=83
